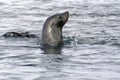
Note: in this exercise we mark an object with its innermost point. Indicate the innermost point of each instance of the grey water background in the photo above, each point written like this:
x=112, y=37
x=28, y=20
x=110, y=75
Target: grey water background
x=91, y=36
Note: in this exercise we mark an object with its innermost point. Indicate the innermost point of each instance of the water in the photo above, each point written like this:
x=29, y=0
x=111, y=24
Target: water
x=91, y=36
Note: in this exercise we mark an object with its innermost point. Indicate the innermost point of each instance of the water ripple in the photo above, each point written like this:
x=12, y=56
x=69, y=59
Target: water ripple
x=91, y=37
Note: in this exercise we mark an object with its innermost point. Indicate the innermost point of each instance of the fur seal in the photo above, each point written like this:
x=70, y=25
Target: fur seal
x=52, y=30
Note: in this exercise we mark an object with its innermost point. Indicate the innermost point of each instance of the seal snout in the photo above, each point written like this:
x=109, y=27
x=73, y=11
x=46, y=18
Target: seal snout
x=65, y=16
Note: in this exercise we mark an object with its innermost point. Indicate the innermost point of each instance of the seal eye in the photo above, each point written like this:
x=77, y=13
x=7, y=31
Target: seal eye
x=60, y=17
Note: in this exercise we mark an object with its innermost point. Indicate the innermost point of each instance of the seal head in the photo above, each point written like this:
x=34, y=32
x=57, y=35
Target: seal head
x=52, y=30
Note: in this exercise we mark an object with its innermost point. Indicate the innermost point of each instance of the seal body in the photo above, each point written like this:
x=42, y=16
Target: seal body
x=52, y=30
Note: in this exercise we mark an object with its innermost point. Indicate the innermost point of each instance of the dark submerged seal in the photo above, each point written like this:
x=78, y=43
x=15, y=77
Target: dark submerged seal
x=52, y=30
x=19, y=35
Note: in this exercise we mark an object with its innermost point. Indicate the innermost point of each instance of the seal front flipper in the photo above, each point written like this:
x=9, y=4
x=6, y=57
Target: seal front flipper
x=52, y=30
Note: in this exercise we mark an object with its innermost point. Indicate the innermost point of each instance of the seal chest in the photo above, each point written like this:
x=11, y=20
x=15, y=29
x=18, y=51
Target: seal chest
x=52, y=30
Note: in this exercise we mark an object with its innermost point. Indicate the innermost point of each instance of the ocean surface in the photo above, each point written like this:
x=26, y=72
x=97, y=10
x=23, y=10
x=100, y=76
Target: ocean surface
x=91, y=37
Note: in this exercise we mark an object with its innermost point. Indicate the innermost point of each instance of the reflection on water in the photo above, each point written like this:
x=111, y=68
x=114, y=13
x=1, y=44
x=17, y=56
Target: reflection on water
x=91, y=37
x=52, y=51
